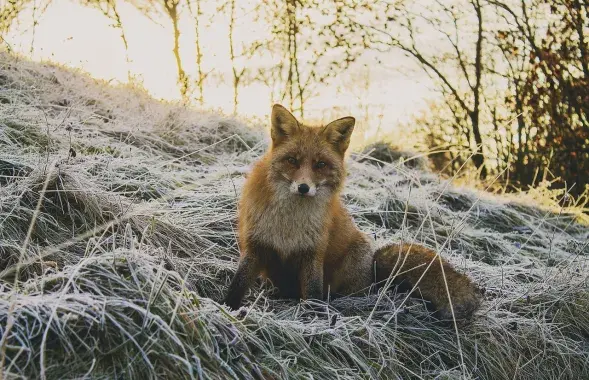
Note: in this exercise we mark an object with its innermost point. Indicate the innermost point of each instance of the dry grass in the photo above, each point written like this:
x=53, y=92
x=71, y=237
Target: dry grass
x=112, y=261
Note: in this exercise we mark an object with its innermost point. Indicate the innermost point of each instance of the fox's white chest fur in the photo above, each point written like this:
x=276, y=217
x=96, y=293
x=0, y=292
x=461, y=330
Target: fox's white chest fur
x=290, y=225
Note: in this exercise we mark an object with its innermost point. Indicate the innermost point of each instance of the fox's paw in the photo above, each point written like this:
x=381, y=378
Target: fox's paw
x=232, y=300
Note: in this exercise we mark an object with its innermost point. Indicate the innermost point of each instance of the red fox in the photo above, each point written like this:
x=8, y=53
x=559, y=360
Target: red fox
x=294, y=230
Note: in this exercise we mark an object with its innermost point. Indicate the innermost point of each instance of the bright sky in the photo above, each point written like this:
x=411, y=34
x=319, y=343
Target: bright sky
x=82, y=37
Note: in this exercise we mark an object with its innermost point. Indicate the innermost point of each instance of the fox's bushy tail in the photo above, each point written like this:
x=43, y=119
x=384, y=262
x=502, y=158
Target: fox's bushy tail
x=408, y=265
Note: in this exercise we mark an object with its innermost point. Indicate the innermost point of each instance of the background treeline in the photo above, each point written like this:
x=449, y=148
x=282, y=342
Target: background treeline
x=512, y=76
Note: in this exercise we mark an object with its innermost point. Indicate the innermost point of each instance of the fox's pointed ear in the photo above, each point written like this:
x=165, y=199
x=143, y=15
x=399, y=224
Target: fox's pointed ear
x=338, y=133
x=284, y=124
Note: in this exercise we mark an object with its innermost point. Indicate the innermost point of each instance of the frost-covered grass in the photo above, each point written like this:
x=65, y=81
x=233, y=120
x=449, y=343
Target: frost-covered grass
x=117, y=240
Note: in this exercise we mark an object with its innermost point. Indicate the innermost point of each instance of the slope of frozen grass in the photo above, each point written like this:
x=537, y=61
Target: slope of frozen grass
x=117, y=240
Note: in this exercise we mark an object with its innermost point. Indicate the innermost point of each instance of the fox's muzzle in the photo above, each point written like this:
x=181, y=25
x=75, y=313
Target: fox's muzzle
x=302, y=183
x=304, y=189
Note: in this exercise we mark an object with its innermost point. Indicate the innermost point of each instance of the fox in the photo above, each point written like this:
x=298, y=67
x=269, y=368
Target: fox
x=294, y=230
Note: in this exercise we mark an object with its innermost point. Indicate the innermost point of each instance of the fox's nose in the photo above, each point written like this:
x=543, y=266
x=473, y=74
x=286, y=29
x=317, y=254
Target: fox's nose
x=304, y=188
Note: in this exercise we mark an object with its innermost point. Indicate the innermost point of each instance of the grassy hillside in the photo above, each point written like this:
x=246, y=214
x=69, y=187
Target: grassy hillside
x=117, y=239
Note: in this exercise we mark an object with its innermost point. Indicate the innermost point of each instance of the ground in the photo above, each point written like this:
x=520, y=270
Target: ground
x=117, y=240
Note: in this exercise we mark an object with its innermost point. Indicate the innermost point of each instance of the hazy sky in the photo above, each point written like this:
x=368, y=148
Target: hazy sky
x=82, y=37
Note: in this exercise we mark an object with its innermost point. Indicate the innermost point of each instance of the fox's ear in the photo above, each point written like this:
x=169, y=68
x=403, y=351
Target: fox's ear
x=284, y=124
x=338, y=133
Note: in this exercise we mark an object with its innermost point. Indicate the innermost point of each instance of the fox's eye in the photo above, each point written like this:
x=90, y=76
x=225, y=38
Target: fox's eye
x=320, y=165
x=292, y=160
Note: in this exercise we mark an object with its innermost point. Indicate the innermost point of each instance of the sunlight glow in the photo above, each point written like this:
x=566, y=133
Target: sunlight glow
x=82, y=37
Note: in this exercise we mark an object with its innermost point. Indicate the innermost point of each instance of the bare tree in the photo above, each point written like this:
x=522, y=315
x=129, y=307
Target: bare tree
x=11, y=9
x=514, y=80
x=545, y=45
x=170, y=9
x=315, y=42
x=238, y=72
x=201, y=76
x=455, y=63
x=109, y=9
x=9, y=13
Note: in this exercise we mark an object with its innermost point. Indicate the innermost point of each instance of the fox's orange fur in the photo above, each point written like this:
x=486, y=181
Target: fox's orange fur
x=294, y=230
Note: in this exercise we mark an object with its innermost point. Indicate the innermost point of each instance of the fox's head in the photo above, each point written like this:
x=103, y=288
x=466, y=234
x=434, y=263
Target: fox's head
x=308, y=161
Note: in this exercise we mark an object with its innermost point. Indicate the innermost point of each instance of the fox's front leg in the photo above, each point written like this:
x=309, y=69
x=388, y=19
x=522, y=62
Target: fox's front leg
x=311, y=279
x=247, y=272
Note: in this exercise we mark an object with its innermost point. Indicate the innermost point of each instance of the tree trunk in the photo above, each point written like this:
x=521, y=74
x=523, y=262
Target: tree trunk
x=199, y=72
x=172, y=10
x=478, y=158
x=291, y=23
x=119, y=25
x=236, y=76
